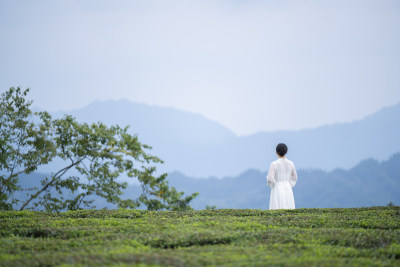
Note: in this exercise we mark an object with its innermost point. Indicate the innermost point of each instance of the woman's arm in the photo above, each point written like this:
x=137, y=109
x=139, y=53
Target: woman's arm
x=271, y=175
x=293, y=177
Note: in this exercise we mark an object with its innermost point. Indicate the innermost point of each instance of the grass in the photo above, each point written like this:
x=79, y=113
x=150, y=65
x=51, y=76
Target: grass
x=302, y=237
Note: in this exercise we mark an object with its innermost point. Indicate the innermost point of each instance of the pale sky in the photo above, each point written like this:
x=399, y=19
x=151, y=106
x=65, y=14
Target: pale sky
x=250, y=65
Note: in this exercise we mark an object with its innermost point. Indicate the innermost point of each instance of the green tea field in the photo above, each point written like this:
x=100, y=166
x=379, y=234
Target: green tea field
x=301, y=237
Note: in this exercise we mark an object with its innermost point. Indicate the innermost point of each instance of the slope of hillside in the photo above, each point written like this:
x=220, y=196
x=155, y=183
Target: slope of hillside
x=184, y=140
x=199, y=147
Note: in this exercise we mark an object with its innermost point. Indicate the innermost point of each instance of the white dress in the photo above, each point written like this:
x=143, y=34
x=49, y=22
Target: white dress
x=281, y=178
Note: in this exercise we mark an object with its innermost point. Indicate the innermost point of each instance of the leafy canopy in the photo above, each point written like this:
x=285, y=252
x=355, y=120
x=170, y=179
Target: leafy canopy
x=95, y=158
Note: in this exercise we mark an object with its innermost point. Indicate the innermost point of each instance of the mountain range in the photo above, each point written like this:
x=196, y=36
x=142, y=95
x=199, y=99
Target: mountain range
x=369, y=183
x=199, y=147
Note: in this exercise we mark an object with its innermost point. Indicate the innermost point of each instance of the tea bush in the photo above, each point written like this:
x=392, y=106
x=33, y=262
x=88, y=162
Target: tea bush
x=239, y=237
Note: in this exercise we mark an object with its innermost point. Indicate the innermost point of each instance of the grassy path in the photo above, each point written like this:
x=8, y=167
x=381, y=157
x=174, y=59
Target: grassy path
x=303, y=237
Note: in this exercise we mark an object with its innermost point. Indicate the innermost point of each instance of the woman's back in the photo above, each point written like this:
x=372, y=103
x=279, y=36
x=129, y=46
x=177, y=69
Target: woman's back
x=281, y=178
x=283, y=169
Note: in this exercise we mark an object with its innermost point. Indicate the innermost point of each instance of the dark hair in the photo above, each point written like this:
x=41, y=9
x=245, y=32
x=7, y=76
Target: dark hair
x=281, y=149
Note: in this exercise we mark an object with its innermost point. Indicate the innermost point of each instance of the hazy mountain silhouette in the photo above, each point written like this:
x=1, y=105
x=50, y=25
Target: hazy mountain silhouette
x=370, y=183
x=199, y=147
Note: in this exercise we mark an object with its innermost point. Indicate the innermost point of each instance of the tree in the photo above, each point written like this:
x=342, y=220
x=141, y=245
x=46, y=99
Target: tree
x=96, y=158
x=24, y=142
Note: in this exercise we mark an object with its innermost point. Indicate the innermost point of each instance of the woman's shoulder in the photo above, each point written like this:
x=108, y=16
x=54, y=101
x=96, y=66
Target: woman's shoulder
x=290, y=162
x=281, y=161
x=275, y=162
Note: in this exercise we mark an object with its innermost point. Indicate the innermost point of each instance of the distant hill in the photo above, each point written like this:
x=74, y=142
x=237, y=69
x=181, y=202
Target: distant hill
x=370, y=183
x=199, y=147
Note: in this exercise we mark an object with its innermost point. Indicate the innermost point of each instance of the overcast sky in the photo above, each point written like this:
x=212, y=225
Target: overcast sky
x=250, y=65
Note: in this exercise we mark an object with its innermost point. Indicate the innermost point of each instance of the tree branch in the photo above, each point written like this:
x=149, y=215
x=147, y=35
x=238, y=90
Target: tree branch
x=56, y=176
x=24, y=170
x=15, y=160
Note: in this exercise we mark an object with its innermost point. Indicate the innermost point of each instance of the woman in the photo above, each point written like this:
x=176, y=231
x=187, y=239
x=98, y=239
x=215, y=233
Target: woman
x=281, y=178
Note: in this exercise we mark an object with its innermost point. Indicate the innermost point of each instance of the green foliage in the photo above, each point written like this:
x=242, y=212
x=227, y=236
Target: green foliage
x=101, y=155
x=25, y=142
x=96, y=157
x=301, y=237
